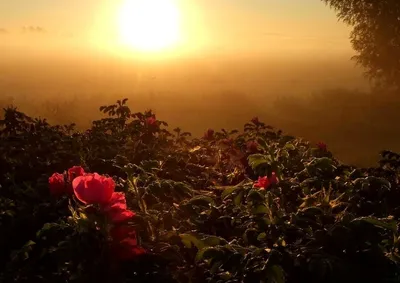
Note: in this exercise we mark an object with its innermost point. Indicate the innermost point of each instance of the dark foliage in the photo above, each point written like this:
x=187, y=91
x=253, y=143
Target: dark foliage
x=199, y=215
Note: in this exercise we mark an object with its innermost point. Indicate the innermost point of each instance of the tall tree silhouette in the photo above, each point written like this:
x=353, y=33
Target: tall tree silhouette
x=375, y=37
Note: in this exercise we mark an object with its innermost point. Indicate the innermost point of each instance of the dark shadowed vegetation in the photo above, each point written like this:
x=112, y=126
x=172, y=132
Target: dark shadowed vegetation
x=254, y=205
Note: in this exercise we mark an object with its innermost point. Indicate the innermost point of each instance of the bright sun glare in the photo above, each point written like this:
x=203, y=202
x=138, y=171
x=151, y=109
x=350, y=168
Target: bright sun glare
x=149, y=25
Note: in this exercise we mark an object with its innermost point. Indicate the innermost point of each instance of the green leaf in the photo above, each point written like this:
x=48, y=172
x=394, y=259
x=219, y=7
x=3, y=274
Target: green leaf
x=323, y=162
x=262, y=143
x=229, y=190
x=260, y=209
x=255, y=196
x=238, y=198
x=289, y=146
x=382, y=223
x=46, y=227
x=312, y=211
x=29, y=243
x=284, y=153
x=190, y=240
x=261, y=236
x=202, y=201
x=255, y=160
x=215, y=266
x=276, y=274
x=214, y=241
x=270, y=199
x=209, y=253
x=263, y=222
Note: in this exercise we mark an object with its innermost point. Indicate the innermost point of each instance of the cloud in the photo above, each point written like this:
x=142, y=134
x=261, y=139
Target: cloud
x=33, y=29
x=3, y=31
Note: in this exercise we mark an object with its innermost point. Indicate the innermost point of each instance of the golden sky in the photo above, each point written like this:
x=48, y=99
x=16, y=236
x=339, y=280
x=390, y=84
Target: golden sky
x=216, y=26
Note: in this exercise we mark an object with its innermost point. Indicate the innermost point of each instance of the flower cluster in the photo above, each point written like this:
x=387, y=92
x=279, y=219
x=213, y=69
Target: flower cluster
x=62, y=183
x=322, y=146
x=265, y=182
x=95, y=189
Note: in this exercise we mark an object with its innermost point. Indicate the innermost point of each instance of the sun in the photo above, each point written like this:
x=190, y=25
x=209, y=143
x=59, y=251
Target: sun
x=149, y=25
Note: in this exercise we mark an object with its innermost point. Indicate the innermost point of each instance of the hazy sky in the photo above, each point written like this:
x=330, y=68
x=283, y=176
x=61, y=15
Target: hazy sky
x=227, y=25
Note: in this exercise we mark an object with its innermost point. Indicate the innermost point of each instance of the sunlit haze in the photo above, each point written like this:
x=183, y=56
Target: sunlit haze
x=174, y=56
x=267, y=27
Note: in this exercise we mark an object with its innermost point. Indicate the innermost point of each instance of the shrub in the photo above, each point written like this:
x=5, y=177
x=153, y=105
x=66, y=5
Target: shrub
x=160, y=206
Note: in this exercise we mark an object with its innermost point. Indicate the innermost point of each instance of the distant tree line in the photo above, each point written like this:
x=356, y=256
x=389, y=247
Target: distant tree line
x=375, y=36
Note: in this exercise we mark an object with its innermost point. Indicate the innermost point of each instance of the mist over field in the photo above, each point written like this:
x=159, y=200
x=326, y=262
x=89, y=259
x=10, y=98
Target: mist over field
x=318, y=97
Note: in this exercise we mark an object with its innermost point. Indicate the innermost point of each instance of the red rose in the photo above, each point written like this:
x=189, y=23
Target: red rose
x=151, y=121
x=116, y=208
x=125, y=245
x=74, y=172
x=57, y=184
x=93, y=188
x=322, y=146
x=262, y=182
x=118, y=216
x=265, y=182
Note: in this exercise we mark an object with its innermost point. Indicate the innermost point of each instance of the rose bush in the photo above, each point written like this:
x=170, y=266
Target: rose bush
x=95, y=189
x=249, y=206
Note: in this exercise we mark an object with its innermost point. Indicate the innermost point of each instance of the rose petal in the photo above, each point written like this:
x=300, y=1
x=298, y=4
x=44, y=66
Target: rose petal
x=93, y=188
x=117, y=200
x=116, y=208
x=74, y=172
x=262, y=182
x=118, y=216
